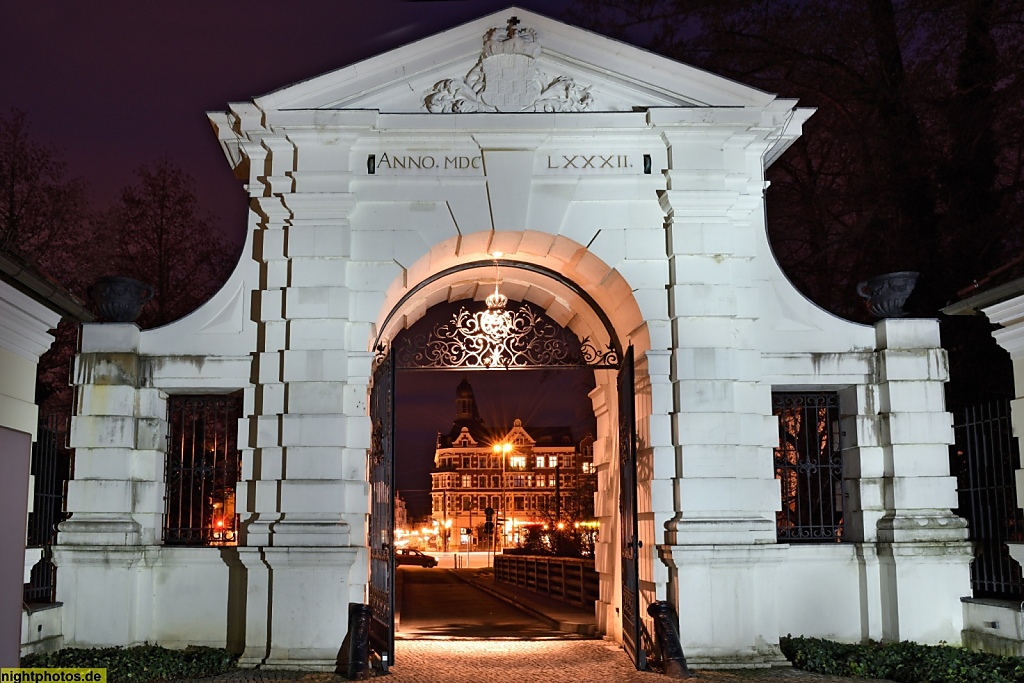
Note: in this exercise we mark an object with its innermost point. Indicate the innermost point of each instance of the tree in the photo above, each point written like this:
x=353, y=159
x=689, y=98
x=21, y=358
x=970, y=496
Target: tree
x=914, y=159
x=163, y=240
x=155, y=233
x=42, y=215
x=42, y=210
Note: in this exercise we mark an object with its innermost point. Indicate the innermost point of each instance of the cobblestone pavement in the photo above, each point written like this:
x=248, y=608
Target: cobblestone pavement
x=515, y=661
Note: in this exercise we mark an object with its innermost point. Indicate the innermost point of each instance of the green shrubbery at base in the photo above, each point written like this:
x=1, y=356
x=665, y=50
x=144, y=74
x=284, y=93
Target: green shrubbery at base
x=139, y=664
x=902, y=662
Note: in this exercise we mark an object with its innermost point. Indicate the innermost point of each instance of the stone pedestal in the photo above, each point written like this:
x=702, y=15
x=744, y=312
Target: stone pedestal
x=728, y=617
x=95, y=613
x=305, y=622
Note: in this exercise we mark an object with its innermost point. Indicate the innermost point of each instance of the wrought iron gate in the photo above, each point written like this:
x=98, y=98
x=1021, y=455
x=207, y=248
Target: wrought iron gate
x=631, y=544
x=520, y=336
x=51, y=465
x=382, y=512
x=984, y=459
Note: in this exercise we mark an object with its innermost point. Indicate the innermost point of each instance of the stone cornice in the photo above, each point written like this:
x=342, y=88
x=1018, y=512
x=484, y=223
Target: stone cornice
x=1009, y=315
x=23, y=277
x=1012, y=339
x=25, y=324
x=1006, y=313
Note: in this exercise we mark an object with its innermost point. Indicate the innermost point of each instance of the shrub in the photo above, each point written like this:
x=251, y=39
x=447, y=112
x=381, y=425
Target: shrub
x=140, y=664
x=902, y=662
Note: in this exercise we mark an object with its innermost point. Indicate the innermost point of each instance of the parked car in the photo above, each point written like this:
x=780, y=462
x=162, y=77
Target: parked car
x=410, y=556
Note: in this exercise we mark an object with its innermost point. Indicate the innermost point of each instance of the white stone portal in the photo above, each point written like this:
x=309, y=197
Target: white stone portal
x=640, y=181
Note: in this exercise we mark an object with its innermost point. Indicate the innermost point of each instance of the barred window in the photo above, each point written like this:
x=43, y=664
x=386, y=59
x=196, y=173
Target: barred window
x=808, y=462
x=201, y=470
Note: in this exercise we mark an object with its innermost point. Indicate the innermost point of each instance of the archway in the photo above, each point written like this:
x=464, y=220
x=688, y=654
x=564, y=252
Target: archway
x=544, y=284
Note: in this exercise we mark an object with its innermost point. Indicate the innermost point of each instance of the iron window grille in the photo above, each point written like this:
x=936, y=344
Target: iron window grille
x=202, y=467
x=809, y=465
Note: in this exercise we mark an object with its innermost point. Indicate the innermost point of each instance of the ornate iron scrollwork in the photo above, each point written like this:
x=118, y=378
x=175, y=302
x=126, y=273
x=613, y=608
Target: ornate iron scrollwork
x=376, y=452
x=500, y=338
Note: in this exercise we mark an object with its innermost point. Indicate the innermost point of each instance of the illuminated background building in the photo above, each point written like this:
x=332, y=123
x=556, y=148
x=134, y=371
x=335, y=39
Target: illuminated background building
x=536, y=477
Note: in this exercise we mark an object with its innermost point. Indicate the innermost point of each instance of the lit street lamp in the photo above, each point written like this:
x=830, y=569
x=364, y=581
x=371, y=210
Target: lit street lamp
x=503, y=449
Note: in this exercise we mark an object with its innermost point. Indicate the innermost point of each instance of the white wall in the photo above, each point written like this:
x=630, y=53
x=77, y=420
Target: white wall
x=24, y=336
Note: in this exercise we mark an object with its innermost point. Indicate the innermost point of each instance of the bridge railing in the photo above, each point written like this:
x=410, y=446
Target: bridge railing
x=570, y=580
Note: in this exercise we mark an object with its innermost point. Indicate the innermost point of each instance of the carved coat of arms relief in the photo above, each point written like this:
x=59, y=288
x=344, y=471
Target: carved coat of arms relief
x=506, y=79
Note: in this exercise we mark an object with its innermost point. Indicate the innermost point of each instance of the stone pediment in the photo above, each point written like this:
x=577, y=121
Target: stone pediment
x=514, y=61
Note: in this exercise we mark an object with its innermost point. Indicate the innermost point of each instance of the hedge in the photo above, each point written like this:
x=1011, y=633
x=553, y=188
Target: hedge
x=139, y=664
x=902, y=662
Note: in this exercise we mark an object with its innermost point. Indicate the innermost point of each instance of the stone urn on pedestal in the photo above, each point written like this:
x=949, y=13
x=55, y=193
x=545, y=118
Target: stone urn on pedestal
x=119, y=299
x=885, y=295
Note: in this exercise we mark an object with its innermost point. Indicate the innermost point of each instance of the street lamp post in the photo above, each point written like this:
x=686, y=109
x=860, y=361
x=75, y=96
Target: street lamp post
x=446, y=524
x=503, y=449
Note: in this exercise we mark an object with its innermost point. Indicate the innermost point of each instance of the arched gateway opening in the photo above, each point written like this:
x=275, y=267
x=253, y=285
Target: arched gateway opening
x=517, y=314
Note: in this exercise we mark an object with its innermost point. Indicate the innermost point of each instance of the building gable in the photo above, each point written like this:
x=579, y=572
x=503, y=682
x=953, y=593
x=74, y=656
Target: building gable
x=471, y=68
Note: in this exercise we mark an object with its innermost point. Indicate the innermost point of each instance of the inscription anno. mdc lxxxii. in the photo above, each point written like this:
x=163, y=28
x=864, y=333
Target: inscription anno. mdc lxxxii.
x=438, y=163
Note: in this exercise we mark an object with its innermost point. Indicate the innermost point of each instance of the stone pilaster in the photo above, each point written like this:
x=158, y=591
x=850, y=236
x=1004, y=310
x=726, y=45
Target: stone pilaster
x=922, y=546
x=116, y=498
x=119, y=435
x=864, y=470
x=721, y=420
x=307, y=420
x=303, y=491
x=720, y=550
x=915, y=432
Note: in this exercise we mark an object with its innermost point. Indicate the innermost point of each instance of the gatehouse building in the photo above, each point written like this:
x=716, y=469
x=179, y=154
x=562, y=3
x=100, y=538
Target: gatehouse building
x=763, y=466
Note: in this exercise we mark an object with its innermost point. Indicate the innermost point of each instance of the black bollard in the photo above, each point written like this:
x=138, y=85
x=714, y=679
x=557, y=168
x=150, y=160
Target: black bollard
x=666, y=631
x=358, y=641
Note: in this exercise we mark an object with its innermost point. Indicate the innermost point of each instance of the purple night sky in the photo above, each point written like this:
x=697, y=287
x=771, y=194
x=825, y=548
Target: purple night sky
x=113, y=85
